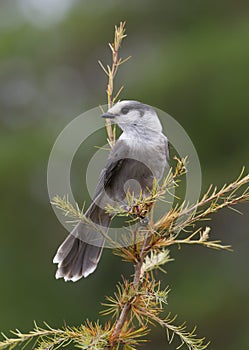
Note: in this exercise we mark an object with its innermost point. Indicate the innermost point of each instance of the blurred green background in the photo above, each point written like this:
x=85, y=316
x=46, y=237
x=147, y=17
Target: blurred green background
x=189, y=58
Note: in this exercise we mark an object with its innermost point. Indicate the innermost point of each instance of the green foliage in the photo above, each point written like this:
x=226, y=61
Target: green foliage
x=187, y=338
x=88, y=336
x=76, y=214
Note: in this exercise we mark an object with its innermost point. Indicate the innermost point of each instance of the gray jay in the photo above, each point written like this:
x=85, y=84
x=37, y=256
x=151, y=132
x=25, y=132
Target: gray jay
x=139, y=155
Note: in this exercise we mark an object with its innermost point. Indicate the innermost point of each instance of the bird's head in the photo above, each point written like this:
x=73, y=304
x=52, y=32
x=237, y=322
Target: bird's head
x=134, y=115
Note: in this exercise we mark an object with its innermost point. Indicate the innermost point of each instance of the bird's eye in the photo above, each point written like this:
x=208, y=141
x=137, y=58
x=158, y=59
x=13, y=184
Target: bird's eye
x=125, y=110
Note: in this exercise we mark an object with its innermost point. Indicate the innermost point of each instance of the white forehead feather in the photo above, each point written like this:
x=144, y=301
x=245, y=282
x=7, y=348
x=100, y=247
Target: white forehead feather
x=119, y=105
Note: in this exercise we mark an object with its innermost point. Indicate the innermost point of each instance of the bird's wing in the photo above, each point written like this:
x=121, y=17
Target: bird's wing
x=121, y=167
x=113, y=164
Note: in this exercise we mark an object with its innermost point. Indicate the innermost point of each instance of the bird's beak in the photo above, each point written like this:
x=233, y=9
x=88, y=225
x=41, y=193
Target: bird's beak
x=108, y=115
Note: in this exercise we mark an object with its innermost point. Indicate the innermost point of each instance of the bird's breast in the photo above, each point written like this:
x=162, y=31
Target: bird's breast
x=151, y=154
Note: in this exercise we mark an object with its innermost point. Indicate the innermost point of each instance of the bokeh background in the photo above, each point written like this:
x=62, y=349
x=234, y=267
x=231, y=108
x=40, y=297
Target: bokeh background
x=189, y=58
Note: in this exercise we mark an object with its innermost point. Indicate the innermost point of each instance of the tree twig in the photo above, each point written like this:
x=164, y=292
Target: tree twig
x=111, y=72
x=138, y=273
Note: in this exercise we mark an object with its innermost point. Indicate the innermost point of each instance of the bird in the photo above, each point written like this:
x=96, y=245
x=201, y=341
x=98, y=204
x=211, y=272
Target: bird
x=139, y=156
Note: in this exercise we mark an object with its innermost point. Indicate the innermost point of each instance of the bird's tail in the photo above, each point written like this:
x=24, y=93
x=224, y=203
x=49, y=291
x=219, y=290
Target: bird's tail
x=79, y=254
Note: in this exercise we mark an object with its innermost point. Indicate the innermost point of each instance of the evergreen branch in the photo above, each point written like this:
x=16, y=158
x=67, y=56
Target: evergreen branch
x=182, y=217
x=63, y=204
x=125, y=309
x=203, y=240
x=111, y=71
x=176, y=227
x=144, y=309
x=187, y=338
x=77, y=215
x=89, y=336
x=214, y=200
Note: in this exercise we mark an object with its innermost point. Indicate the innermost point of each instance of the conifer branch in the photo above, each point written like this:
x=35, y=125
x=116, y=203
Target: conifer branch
x=187, y=338
x=88, y=336
x=62, y=203
x=111, y=72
